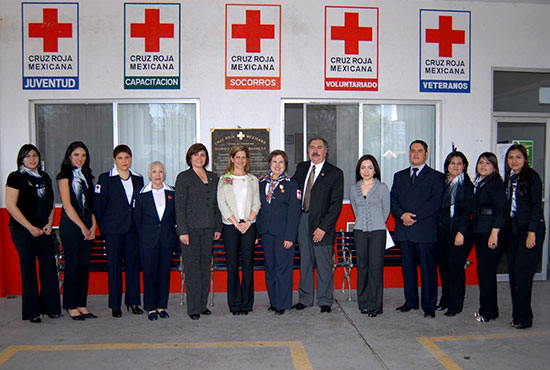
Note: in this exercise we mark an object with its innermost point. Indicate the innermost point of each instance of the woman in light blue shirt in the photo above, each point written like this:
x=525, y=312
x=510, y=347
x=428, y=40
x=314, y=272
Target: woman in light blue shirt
x=370, y=200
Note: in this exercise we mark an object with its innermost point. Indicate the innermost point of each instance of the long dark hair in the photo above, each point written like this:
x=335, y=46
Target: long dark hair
x=492, y=158
x=26, y=149
x=371, y=158
x=67, y=166
x=525, y=170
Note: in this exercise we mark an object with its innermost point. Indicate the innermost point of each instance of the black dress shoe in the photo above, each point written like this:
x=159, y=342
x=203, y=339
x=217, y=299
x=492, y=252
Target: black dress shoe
x=440, y=307
x=450, y=314
x=89, y=315
x=117, y=312
x=152, y=315
x=193, y=317
x=429, y=314
x=522, y=326
x=135, y=309
x=206, y=312
x=364, y=311
x=299, y=306
x=54, y=316
x=279, y=312
x=371, y=314
x=245, y=312
x=405, y=308
x=326, y=309
x=36, y=320
x=236, y=313
x=163, y=314
x=271, y=309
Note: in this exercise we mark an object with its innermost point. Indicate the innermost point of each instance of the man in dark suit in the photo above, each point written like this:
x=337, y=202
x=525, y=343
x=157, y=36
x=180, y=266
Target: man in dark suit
x=322, y=186
x=415, y=198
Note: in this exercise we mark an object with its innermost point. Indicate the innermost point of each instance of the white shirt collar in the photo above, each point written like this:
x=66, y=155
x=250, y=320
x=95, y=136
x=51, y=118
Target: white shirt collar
x=149, y=187
x=420, y=168
x=317, y=166
x=114, y=172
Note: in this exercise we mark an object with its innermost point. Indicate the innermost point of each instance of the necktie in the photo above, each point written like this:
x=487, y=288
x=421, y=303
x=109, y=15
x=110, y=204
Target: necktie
x=309, y=185
x=413, y=177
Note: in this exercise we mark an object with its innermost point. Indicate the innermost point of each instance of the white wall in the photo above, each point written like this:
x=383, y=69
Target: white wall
x=503, y=35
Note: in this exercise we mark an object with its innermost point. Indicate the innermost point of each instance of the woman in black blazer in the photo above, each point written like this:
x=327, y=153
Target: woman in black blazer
x=488, y=219
x=277, y=223
x=525, y=230
x=77, y=227
x=454, y=232
x=155, y=217
x=199, y=224
x=113, y=203
x=29, y=200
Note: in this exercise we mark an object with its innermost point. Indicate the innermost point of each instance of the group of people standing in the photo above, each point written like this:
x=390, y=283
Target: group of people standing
x=438, y=219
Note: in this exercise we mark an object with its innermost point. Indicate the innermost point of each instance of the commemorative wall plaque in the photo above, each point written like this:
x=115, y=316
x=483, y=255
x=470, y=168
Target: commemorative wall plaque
x=256, y=139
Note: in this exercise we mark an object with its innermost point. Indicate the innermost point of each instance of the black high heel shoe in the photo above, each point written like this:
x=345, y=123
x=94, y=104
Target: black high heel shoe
x=135, y=309
x=78, y=317
x=36, y=320
x=53, y=316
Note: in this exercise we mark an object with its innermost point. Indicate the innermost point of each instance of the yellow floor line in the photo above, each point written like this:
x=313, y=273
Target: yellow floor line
x=447, y=362
x=297, y=349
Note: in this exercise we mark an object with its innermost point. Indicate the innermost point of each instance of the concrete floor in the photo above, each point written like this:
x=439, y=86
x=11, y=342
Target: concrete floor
x=343, y=339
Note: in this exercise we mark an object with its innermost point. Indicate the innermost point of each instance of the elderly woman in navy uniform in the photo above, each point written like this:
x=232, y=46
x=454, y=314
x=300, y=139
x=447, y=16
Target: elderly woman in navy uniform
x=277, y=223
x=155, y=217
x=114, y=196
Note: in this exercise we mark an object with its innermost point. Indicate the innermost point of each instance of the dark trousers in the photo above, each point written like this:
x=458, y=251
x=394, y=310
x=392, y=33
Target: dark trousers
x=240, y=295
x=311, y=257
x=451, y=260
x=156, y=276
x=197, y=258
x=77, y=259
x=522, y=265
x=123, y=247
x=278, y=263
x=30, y=249
x=425, y=255
x=487, y=264
x=370, y=248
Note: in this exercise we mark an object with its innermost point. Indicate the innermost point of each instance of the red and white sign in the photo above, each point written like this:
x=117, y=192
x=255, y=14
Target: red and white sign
x=253, y=47
x=152, y=46
x=351, y=48
x=50, y=46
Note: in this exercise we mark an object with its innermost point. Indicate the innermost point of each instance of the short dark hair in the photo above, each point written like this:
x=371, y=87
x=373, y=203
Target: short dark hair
x=367, y=157
x=122, y=148
x=421, y=142
x=194, y=149
x=318, y=138
x=25, y=149
x=450, y=156
x=277, y=152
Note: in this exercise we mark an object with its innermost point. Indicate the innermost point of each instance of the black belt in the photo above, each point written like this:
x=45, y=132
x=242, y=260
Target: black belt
x=484, y=211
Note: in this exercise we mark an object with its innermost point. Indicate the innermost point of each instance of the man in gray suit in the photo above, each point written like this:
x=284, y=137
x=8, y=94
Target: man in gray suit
x=322, y=186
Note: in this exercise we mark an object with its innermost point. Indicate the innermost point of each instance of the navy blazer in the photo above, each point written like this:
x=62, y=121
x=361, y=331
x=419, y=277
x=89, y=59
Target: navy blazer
x=422, y=198
x=489, y=196
x=151, y=230
x=112, y=210
x=327, y=195
x=281, y=217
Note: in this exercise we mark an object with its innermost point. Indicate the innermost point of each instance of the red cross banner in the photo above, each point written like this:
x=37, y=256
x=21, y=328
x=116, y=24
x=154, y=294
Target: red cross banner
x=253, y=47
x=351, y=48
x=50, y=46
x=152, y=46
x=445, y=51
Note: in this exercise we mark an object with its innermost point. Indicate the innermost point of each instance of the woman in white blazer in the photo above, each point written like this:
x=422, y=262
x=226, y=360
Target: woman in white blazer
x=239, y=203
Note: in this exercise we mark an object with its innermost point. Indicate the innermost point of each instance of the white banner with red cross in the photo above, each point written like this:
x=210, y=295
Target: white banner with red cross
x=50, y=46
x=152, y=46
x=445, y=51
x=351, y=48
x=253, y=47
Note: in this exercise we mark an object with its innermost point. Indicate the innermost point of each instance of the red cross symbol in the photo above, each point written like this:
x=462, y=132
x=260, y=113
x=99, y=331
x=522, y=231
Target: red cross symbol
x=253, y=31
x=351, y=33
x=49, y=30
x=445, y=36
x=152, y=30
